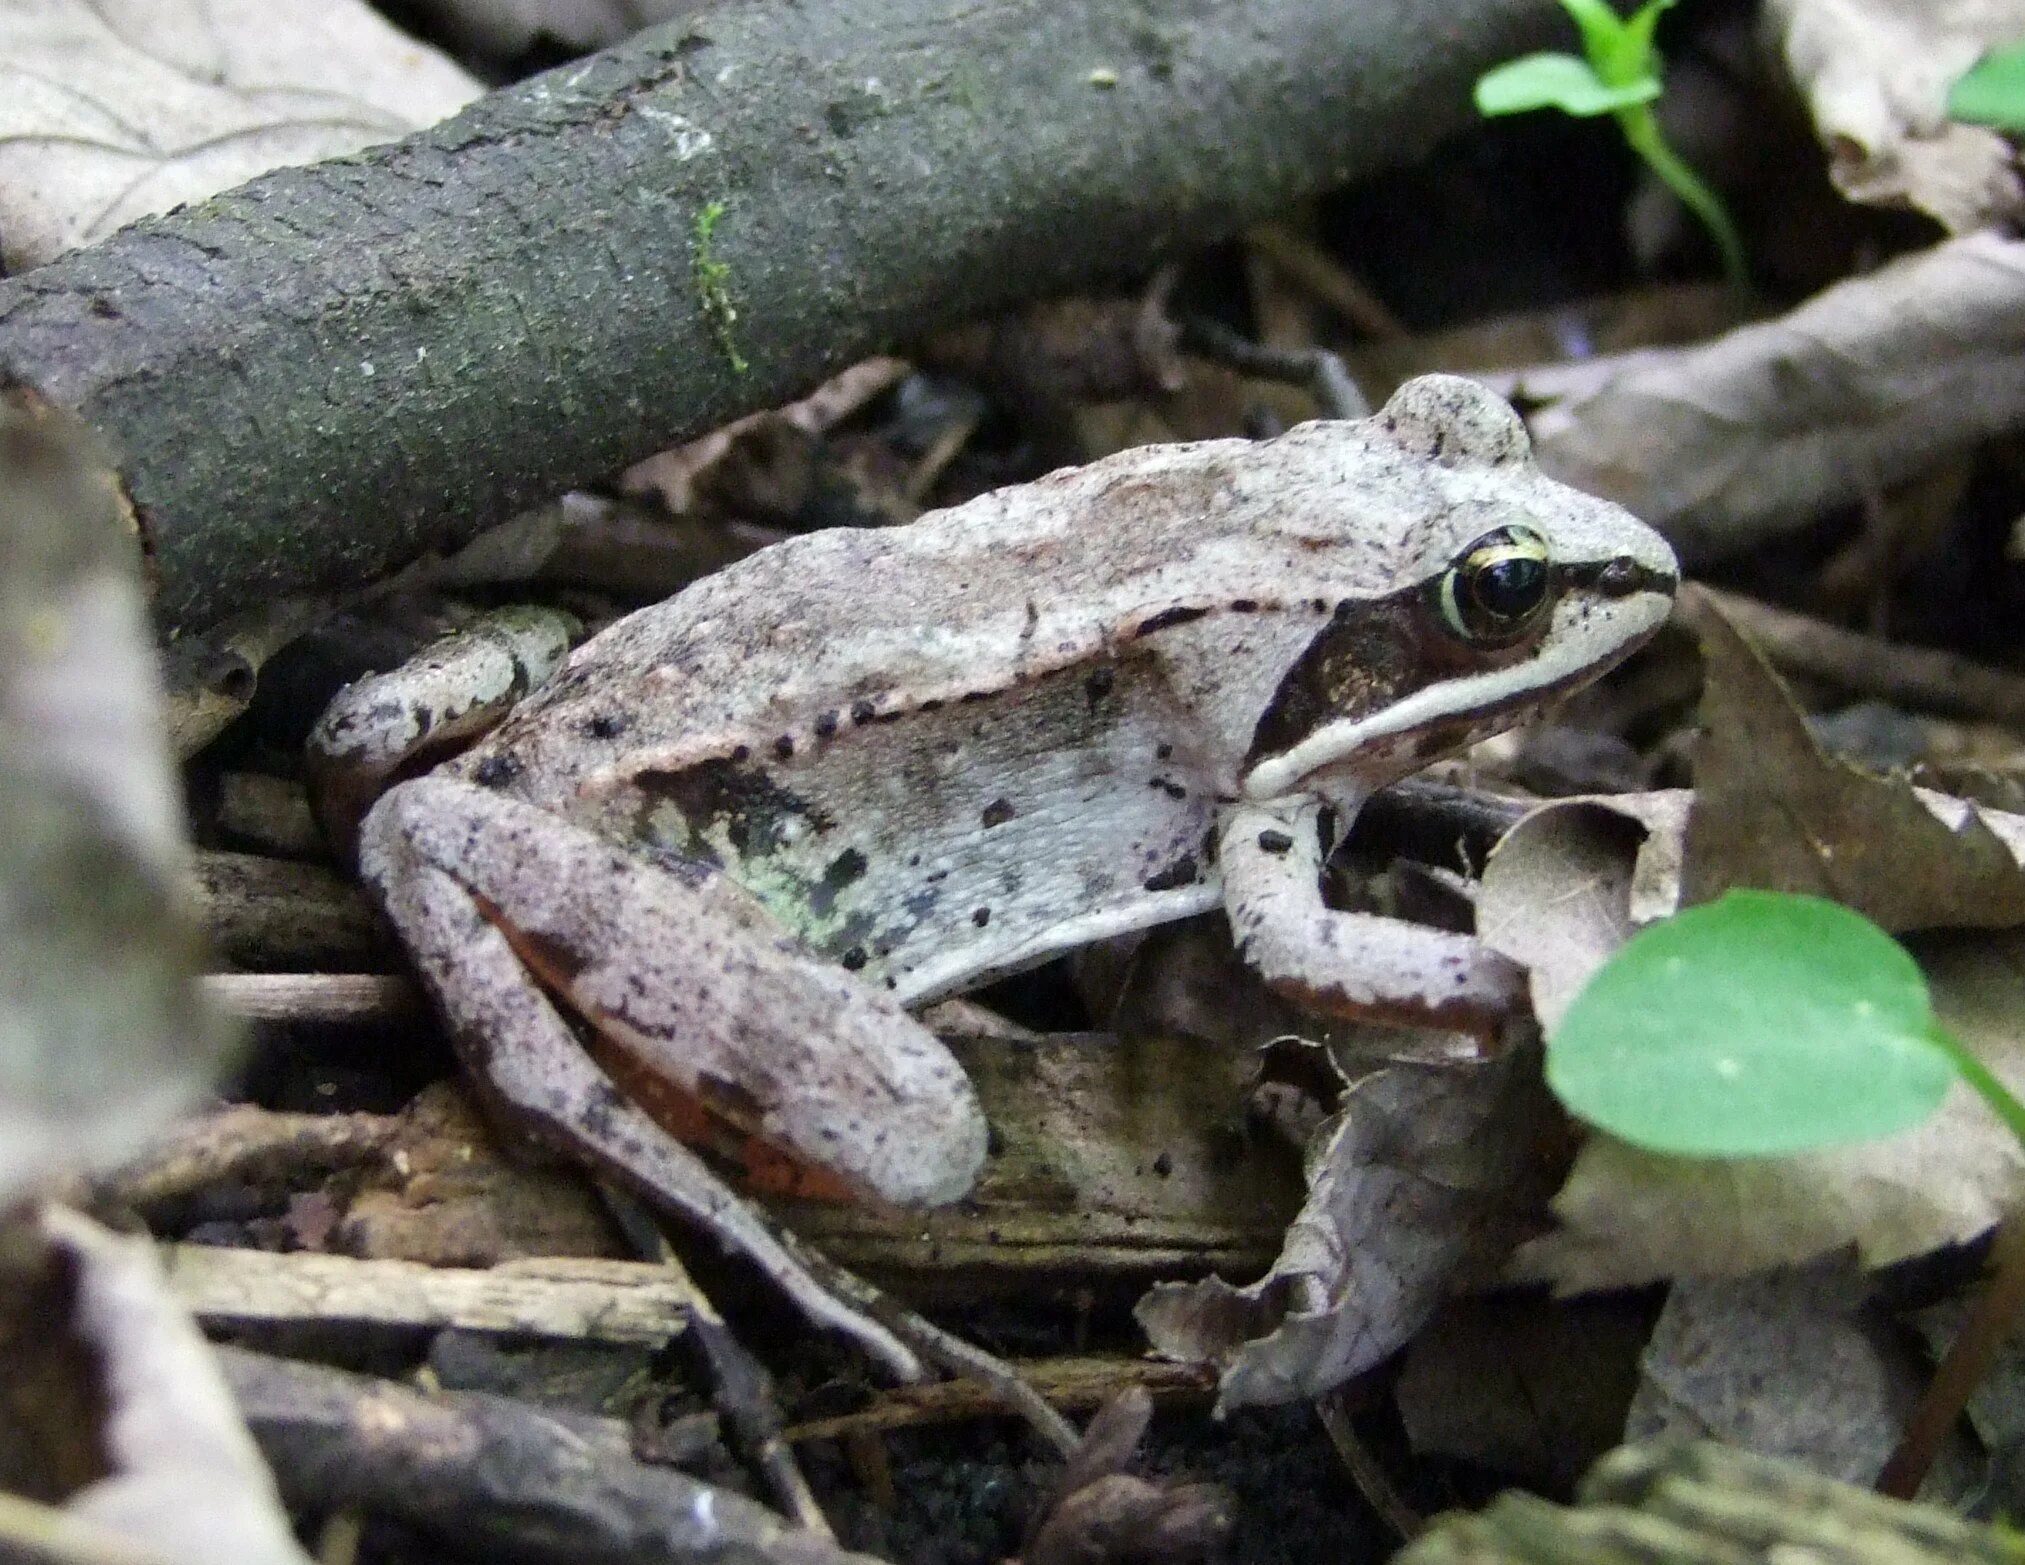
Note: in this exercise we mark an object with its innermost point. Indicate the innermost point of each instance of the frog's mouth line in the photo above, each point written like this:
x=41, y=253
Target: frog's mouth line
x=1416, y=727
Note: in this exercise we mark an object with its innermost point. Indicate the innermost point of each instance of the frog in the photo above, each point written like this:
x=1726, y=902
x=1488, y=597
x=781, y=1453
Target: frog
x=696, y=887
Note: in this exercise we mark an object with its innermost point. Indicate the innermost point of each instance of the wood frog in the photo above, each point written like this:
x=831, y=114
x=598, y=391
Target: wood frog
x=745, y=829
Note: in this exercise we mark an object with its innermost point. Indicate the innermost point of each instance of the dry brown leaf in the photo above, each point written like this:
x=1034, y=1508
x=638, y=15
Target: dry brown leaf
x=1876, y=75
x=1773, y=810
x=1759, y=432
x=1418, y=1187
x=117, y=108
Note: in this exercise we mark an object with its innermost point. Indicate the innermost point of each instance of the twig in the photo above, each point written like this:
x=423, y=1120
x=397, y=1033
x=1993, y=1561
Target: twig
x=249, y=1145
x=583, y=1300
x=1991, y=1320
x=276, y=913
x=740, y=1387
x=940, y=1347
x=1317, y=273
x=1070, y=1384
x=340, y=998
x=1910, y=676
x=495, y=1476
x=1318, y=369
x=1367, y=1475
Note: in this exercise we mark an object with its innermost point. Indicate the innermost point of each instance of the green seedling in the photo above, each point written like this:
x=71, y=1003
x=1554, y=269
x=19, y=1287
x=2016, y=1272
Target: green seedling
x=1992, y=91
x=713, y=286
x=1618, y=73
x=1764, y=1024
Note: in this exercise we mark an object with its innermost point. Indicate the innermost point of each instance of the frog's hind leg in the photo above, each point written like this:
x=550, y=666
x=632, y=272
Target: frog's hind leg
x=1350, y=964
x=501, y=903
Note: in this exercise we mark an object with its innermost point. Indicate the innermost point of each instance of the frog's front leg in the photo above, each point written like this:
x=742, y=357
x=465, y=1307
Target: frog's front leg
x=1352, y=964
x=691, y=989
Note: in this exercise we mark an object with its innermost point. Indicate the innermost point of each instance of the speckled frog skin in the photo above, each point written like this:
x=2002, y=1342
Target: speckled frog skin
x=862, y=769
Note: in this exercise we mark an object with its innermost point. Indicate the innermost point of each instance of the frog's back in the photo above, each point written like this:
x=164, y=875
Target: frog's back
x=837, y=629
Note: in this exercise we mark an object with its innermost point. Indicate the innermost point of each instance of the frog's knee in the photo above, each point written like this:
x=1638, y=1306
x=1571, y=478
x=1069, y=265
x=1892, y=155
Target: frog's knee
x=408, y=822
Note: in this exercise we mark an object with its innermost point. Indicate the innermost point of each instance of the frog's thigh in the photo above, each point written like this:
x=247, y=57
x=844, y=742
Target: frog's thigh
x=672, y=973
x=1353, y=964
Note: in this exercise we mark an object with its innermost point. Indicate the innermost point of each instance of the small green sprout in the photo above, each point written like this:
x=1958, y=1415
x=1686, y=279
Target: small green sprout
x=1992, y=91
x=713, y=286
x=1619, y=77
x=1759, y=1025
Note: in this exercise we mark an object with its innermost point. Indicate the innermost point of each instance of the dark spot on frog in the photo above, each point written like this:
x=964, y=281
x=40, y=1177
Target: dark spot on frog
x=914, y=861
x=1163, y=1165
x=1164, y=752
x=1319, y=605
x=862, y=711
x=756, y=812
x=731, y=1099
x=741, y=752
x=1099, y=684
x=932, y=704
x=826, y=725
x=853, y=959
x=784, y=747
x=1182, y=872
x=997, y=813
x=1244, y=605
x=976, y=695
x=1167, y=619
x=606, y=725
x=980, y=916
x=1168, y=786
x=595, y=1109
x=843, y=869
x=495, y=771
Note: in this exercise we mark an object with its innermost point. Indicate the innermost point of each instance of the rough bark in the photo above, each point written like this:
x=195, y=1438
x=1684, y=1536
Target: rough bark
x=322, y=373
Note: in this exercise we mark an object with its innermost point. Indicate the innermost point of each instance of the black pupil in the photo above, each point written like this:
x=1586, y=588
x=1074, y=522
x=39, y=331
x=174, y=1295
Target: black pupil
x=1510, y=588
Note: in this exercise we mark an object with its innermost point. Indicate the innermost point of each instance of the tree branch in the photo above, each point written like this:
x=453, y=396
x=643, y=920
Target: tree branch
x=321, y=374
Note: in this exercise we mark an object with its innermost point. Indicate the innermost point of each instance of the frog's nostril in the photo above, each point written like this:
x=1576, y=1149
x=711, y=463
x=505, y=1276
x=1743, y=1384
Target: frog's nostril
x=1621, y=577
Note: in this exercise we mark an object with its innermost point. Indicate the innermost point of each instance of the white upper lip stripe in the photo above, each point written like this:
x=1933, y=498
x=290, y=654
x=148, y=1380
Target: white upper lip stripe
x=1273, y=778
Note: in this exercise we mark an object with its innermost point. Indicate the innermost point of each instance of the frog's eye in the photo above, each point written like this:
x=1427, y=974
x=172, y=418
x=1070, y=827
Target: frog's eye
x=1497, y=587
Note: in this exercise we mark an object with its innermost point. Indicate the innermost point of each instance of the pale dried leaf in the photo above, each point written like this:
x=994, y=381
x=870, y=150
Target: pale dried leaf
x=171, y=1430
x=1761, y=431
x=1876, y=74
x=103, y=1032
x=113, y=109
x=1417, y=1187
x=1790, y=1363
x=1568, y=885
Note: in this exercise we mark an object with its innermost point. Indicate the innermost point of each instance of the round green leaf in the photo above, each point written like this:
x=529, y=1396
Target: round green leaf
x=1992, y=91
x=1556, y=81
x=1755, y=1026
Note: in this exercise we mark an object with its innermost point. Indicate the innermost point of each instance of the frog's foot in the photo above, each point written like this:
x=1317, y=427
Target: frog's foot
x=693, y=993
x=1350, y=964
